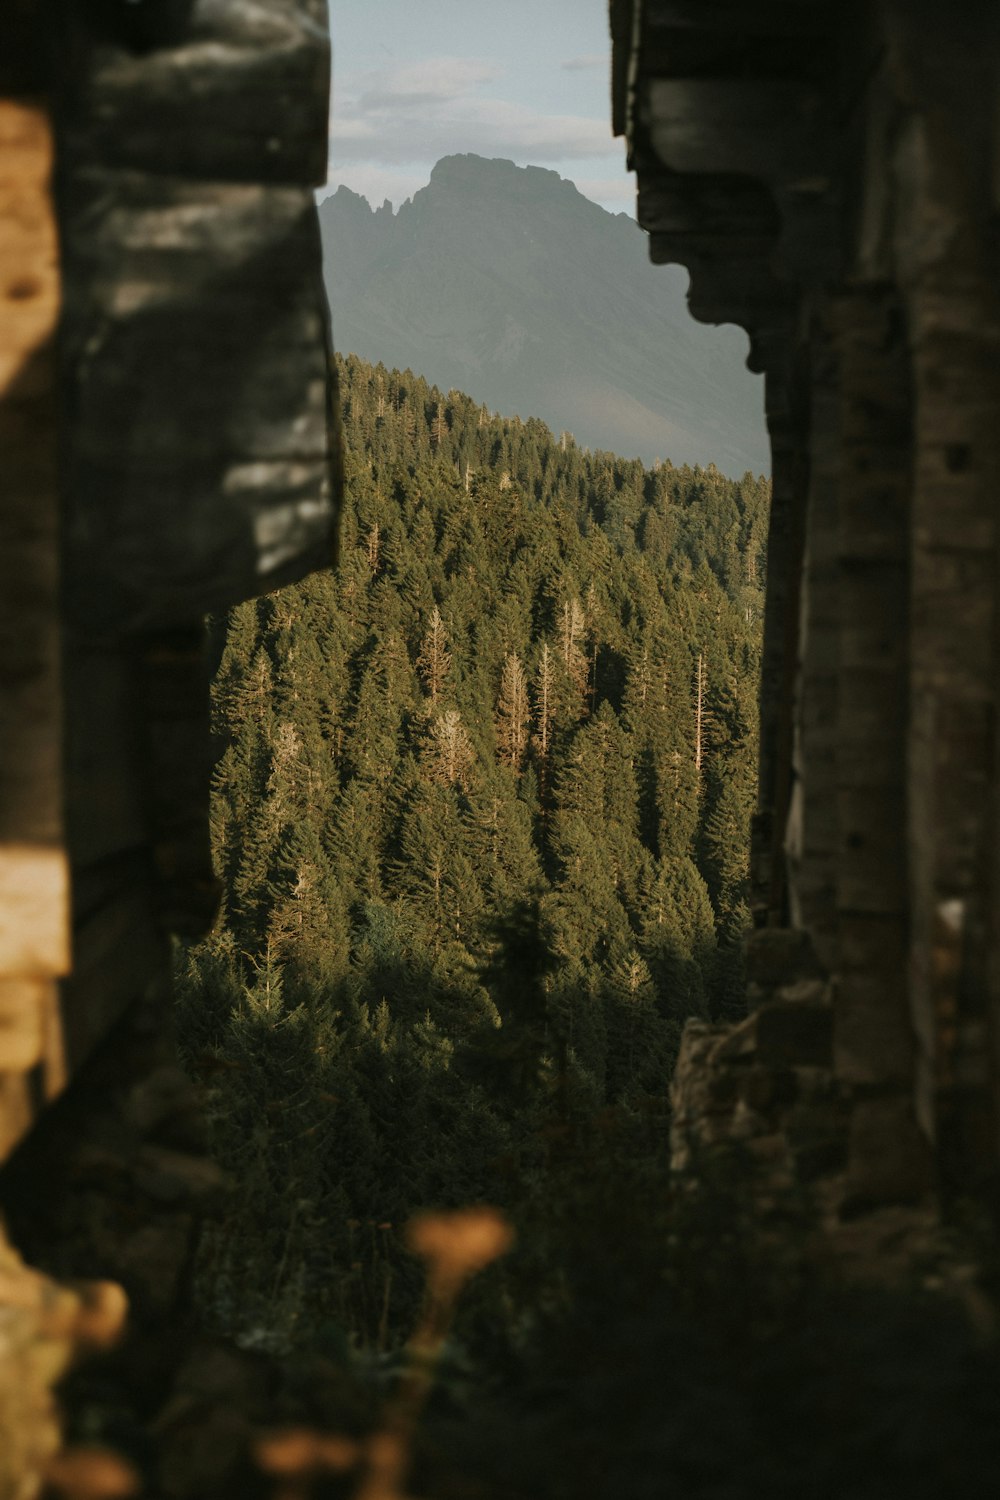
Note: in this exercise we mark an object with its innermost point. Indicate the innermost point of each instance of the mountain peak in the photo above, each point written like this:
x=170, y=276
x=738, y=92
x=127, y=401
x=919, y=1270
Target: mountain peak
x=347, y=198
x=497, y=174
x=506, y=282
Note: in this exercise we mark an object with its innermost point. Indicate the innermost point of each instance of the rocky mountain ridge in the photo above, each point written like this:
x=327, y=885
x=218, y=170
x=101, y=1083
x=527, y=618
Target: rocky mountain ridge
x=508, y=283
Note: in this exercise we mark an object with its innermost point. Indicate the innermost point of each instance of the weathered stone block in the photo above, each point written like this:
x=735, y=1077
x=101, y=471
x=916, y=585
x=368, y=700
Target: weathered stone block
x=34, y=910
x=820, y=1156
x=758, y=1089
x=872, y=1033
x=776, y=955
x=745, y=1123
x=871, y=941
x=792, y=1033
x=22, y=1023
x=888, y=1156
x=739, y=1043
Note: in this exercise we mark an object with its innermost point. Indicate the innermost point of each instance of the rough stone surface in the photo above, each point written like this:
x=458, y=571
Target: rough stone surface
x=835, y=194
x=128, y=1180
x=172, y=451
x=44, y=1327
x=763, y=1091
x=34, y=867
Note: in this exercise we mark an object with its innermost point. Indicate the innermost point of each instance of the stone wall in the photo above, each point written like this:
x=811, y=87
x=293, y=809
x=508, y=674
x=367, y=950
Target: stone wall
x=829, y=175
x=34, y=881
x=169, y=436
x=172, y=453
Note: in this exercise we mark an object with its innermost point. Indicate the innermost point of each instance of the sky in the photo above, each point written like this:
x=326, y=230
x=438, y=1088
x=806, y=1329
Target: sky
x=415, y=80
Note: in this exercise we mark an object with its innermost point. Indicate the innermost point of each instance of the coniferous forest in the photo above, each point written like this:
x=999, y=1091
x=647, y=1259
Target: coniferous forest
x=482, y=812
x=481, y=809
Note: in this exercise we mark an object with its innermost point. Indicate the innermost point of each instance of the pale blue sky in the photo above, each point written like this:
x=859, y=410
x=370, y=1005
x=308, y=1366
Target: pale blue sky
x=415, y=80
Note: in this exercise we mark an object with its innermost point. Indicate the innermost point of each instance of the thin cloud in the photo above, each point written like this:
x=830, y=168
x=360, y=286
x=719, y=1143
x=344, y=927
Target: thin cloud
x=434, y=109
x=435, y=80
x=392, y=124
x=584, y=64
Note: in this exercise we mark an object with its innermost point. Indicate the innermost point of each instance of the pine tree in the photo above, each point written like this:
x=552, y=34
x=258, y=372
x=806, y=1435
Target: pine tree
x=439, y=427
x=513, y=713
x=544, y=703
x=434, y=661
x=432, y=870
x=638, y=1046
x=571, y=628
x=448, y=752
x=374, y=548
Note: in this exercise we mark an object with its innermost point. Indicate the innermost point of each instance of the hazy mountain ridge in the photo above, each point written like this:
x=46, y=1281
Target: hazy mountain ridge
x=508, y=283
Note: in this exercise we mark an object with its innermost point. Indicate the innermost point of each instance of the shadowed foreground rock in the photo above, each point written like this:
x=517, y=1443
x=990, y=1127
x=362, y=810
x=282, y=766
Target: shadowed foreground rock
x=168, y=423
x=828, y=176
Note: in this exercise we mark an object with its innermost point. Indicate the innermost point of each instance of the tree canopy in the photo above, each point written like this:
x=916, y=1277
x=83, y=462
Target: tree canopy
x=482, y=801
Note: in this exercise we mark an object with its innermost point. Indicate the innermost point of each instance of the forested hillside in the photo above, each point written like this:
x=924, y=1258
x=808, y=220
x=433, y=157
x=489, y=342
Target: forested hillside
x=482, y=808
x=508, y=283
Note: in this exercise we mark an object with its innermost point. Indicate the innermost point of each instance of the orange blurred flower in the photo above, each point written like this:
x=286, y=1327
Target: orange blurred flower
x=456, y=1245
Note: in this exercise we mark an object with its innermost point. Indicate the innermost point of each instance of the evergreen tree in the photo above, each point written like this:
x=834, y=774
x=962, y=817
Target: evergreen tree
x=512, y=714
x=434, y=661
x=447, y=752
